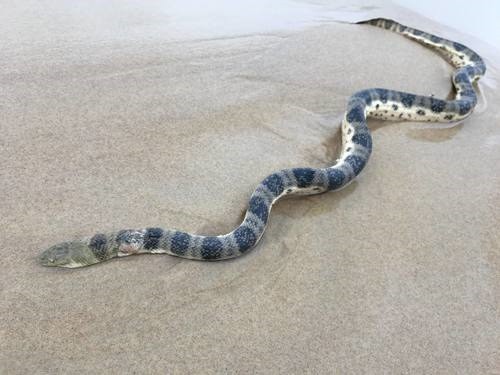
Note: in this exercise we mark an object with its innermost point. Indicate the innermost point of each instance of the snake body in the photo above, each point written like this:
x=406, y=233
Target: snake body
x=356, y=149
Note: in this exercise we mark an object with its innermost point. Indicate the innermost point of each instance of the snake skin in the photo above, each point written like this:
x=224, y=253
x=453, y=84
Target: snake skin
x=356, y=149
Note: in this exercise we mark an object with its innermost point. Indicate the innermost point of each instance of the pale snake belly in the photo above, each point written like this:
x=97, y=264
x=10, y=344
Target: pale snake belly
x=356, y=150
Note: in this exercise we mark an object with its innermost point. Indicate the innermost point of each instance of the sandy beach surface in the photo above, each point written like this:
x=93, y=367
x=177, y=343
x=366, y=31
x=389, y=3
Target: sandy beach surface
x=130, y=114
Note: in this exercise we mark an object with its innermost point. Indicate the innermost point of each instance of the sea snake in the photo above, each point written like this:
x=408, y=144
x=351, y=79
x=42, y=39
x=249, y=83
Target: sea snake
x=356, y=148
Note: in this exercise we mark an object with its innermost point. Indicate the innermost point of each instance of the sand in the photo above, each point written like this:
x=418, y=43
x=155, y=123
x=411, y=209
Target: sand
x=111, y=120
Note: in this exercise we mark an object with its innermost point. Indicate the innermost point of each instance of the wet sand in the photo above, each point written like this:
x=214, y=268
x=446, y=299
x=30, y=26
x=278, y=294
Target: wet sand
x=116, y=123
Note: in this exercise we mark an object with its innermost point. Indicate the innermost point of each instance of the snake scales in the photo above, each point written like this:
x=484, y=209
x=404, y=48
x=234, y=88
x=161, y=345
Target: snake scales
x=356, y=149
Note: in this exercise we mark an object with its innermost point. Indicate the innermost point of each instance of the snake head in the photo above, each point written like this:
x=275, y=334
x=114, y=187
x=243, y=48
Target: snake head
x=69, y=254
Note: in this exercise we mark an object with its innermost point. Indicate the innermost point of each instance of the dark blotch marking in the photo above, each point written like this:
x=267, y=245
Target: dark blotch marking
x=395, y=107
x=259, y=208
x=458, y=46
x=355, y=114
x=98, y=245
x=378, y=105
x=274, y=183
x=126, y=236
x=421, y=112
x=180, y=243
x=335, y=178
x=211, y=248
x=357, y=163
x=471, y=71
x=152, y=238
x=468, y=92
x=464, y=106
x=448, y=117
x=417, y=32
x=462, y=77
x=122, y=236
x=363, y=139
x=437, y=105
x=435, y=39
x=365, y=96
x=407, y=99
x=245, y=238
x=304, y=176
x=383, y=95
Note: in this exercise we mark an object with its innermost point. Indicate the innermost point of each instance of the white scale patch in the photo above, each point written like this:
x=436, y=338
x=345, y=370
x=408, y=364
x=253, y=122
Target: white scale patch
x=303, y=191
x=386, y=111
x=450, y=53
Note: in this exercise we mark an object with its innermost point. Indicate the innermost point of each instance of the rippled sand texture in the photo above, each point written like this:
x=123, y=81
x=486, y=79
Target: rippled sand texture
x=118, y=123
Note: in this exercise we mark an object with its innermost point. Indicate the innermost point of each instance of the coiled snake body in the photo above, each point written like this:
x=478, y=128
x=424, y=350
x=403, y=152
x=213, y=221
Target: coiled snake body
x=356, y=149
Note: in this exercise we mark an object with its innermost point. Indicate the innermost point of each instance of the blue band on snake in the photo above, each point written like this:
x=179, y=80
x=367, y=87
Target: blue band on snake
x=356, y=149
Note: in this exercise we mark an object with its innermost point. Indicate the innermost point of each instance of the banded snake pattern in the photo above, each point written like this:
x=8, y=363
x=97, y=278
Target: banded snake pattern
x=356, y=149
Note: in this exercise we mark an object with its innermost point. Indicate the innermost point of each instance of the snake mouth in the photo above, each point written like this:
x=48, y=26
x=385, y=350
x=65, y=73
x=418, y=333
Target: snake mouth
x=68, y=254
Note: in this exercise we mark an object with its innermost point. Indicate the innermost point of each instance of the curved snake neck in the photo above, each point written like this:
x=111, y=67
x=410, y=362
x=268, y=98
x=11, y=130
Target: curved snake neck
x=356, y=150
